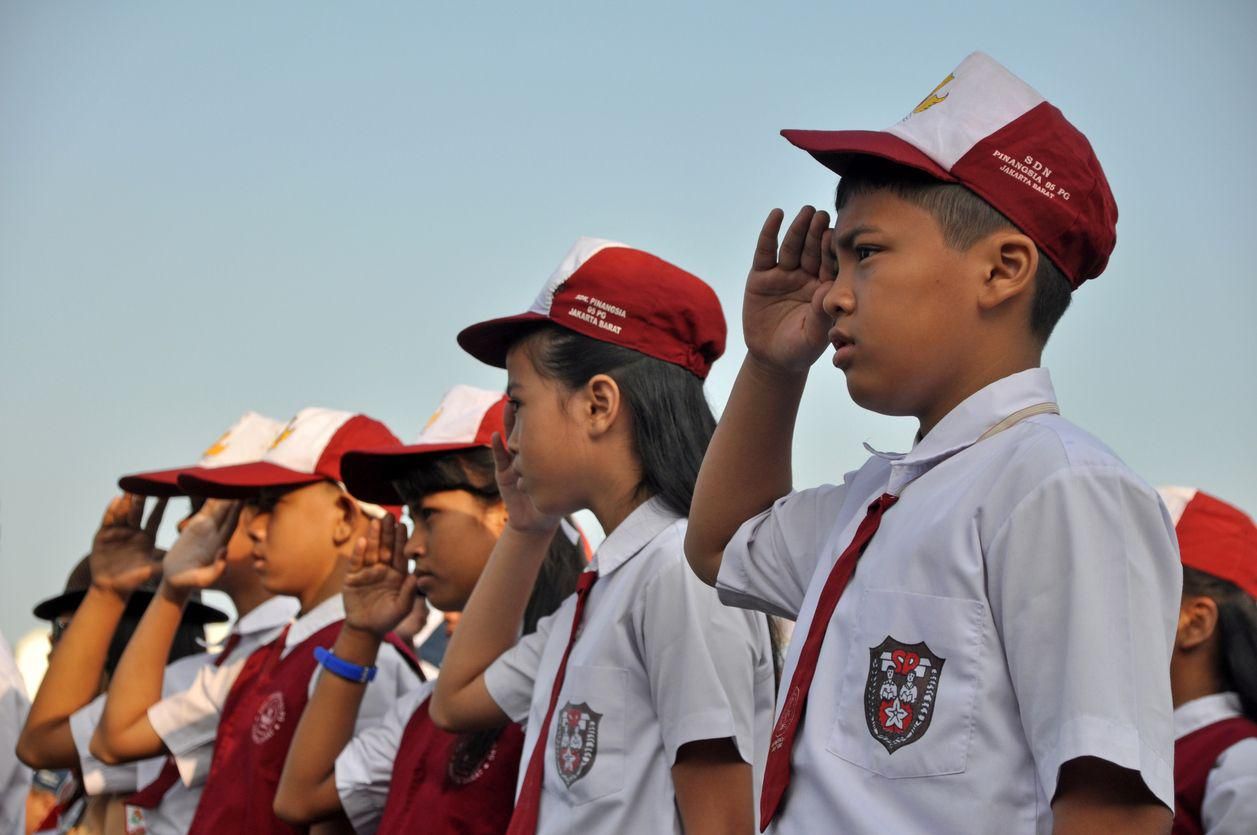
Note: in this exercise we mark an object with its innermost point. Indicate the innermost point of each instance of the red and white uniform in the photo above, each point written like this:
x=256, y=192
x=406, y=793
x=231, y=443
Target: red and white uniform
x=404, y=775
x=1215, y=767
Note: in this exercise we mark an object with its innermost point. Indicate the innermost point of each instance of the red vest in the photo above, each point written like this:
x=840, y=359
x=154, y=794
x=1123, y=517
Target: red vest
x=255, y=731
x=1194, y=756
x=434, y=790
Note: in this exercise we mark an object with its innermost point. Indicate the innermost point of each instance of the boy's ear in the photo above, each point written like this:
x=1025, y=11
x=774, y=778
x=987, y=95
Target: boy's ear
x=348, y=520
x=496, y=518
x=1197, y=622
x=1011, y=261
x=602, y=403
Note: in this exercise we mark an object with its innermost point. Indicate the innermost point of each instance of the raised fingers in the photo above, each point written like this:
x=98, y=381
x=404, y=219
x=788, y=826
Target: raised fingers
x=155, y=517
x=811, y=257
x=765, y=257
x=829, y=263
x=135, y=510
x=371, y=554
x=400, y=562
x=790, y=254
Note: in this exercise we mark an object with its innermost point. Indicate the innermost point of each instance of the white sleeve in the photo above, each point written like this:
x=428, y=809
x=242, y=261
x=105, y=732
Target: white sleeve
x=770, y=561
x=702, y=660
x=15, y=777
x=99, y=778
x=1230, y=804
x=188, y=720
x=511, y=677
x=365, y=767
x=1084, y=582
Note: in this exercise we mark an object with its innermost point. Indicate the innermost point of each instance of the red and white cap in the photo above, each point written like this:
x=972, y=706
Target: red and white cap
x=988, y=130
x=466, y=419
x=309, y=449
x=247, y=440
x=1213, y=536
x=613, y=293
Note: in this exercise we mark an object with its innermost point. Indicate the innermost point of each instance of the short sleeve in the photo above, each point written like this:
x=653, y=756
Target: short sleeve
x=99, y=778
x=188, y=720
x=770, y=561
x=1084, y=584
x=510, y=678
x=1230, y=804
x=365, y=767
x=703, y=661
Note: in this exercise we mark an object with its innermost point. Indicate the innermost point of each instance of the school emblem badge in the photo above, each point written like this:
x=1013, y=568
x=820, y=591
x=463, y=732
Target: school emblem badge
x=900, y=691
x=575, y=741
x=269, y=717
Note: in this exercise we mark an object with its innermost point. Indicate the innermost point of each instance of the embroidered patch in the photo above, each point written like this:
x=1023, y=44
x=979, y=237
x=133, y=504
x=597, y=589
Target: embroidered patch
x=269, y=718
x=900, y=691
x=135, y=823
x=575, y=741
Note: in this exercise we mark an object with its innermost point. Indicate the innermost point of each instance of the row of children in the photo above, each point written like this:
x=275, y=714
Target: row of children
x=991, y=621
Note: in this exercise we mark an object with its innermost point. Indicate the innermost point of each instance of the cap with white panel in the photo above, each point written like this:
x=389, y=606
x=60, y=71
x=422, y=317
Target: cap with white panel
x=614, y=293
x=988, y=130
x=1213, y=536
x=247, y=440
x=466, y=419
x=309, y=449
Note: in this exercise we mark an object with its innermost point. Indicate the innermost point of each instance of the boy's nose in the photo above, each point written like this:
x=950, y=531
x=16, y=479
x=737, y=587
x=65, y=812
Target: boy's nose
x=257, y=527
x=416, y=544
x=838, y=300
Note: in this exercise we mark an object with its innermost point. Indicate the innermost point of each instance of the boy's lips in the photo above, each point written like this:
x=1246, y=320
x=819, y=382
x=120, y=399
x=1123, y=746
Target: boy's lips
x=843, y=347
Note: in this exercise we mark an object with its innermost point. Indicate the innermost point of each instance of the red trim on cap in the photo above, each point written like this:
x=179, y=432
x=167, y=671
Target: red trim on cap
x=1219, y=539
x=835, y=149
x=490, y=341
x=161, y=483
x=358, y=432
x=241, y=481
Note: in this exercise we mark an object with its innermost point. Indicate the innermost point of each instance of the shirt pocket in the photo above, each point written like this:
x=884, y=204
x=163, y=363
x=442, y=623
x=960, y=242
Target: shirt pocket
x=907, y=702
x=586, y=739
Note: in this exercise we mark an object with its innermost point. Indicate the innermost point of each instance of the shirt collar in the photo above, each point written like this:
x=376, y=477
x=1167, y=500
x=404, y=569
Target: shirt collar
x=1200, y=713
x=646, y=522
x=324, y=614
x=266, y=616
x=964, y=425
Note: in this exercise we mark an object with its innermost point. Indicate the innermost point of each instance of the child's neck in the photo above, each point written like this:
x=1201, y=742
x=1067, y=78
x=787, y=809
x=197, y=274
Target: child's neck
x=326, y=590
x=612, y=507
x=997, y=366
x=249, y=598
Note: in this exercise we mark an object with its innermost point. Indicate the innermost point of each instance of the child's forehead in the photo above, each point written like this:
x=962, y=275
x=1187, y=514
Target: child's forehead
x=876, y=210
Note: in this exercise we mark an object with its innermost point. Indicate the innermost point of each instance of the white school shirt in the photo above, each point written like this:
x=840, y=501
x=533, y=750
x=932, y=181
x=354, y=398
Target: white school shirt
x=364, y=768
x=15, y=777
x=174, y=814
x=188, y=721
x=658, y=663
x=1230, y=803
x=1041, y=577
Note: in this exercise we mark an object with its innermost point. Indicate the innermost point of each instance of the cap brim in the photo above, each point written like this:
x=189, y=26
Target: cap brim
x=242, y=480
x=835, y=149
x=489, y=341
x=369, y=473
x=161, y=483
x=195, y=612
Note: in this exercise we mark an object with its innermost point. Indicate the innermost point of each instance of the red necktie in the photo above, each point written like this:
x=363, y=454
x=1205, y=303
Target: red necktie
x=524, y=818
x=777, y=769
x=151, y=795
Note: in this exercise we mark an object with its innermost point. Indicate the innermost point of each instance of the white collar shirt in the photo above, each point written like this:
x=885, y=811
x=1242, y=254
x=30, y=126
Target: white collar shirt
x=187, y=721
x=658, y=663
x=1230, y=803
x=1015, y=611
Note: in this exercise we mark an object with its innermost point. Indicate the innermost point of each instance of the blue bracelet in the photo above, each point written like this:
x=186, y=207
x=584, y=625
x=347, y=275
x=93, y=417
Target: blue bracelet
x=347, y=670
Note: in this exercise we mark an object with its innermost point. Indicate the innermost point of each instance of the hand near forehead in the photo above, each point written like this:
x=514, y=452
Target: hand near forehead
x=122, y=557
x=379, y=591
x=782, y=319
x=521, y=513
x=199, y=555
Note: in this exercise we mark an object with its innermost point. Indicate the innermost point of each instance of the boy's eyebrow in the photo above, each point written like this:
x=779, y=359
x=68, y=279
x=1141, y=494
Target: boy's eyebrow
x=846, y=239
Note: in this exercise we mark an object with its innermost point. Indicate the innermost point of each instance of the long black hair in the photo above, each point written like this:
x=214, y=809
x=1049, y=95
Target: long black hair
x=1237, y=633
x=672, y=422
x=472, y=471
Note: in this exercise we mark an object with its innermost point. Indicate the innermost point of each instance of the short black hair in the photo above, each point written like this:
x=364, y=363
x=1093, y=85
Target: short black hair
x=964, y=218
x=672, y=422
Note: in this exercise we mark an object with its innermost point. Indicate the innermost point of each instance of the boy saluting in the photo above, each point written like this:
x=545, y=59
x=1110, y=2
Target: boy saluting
x=985, y=622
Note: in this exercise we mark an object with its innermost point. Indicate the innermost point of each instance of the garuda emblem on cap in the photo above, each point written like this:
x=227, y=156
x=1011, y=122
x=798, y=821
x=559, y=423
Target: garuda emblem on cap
x=900, y=691
x=575, y=741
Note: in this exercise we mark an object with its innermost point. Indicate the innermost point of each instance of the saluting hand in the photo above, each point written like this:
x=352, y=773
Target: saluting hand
x=782, y=319
x=379, y=591
x=199, y=556
x=122, y=557
x=521, y=514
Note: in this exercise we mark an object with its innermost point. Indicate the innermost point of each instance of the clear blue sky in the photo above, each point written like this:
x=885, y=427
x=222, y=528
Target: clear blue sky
x=213, y=207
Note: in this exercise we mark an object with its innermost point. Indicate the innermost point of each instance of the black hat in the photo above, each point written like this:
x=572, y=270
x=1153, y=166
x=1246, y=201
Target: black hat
x=80, y=580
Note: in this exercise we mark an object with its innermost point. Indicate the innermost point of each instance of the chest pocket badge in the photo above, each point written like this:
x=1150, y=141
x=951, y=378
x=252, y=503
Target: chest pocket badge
x=575, y=741
x=269, y=718
x=900, y=691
